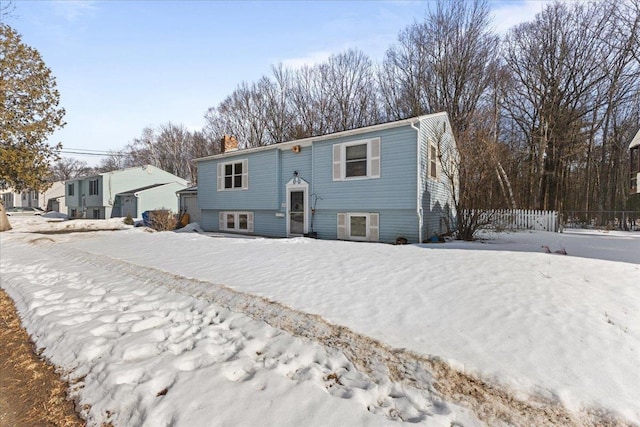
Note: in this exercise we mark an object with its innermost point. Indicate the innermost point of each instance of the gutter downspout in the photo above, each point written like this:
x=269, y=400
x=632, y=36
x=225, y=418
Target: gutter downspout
x=279, y=180
x=313, y=159
x=418, y=181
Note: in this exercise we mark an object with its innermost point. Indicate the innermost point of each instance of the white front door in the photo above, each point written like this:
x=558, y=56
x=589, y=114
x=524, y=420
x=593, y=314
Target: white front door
x=297, y=207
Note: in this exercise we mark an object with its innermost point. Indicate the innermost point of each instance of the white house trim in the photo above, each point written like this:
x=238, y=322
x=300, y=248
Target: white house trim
x=372, y=226
x=372, y=159
x=297, y=184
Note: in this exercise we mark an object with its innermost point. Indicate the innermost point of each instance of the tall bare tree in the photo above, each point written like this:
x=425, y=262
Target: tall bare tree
x=568, y=76
x=67, y=168
x=352, y=91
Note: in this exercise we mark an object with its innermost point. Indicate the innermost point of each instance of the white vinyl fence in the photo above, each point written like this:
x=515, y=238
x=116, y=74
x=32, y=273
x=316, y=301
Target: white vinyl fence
x=521, y=219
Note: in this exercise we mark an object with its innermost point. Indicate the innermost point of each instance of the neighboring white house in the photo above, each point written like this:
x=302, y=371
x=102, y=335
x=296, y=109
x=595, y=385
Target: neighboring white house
x=53, y=199
x=95, y=196
x=10, y=198
x=49, y=199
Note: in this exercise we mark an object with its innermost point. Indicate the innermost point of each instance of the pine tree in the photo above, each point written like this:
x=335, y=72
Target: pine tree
x=29, y=114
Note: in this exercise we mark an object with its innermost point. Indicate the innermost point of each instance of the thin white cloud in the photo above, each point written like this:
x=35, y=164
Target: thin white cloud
x=71, y=10
x=311, y=59
x=509, y=14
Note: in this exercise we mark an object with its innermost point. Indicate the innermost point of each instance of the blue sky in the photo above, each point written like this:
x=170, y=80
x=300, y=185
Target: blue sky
x=124, y=65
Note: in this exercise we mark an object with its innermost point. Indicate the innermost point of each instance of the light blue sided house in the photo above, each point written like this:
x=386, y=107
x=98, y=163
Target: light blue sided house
x=377, y=184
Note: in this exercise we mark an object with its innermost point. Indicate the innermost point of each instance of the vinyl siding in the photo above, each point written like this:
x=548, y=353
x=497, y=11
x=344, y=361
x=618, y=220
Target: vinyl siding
x=402, y=187
x=291, y=162
x=436, y=194
x=265, y=222
x=161, y=197
x=396, y=187
x=263, y=182
x=73, y=201
x=394, y=223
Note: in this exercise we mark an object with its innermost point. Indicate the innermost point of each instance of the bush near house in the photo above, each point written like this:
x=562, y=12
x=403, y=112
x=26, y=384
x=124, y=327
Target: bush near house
x=163, y=220
x=128, y=220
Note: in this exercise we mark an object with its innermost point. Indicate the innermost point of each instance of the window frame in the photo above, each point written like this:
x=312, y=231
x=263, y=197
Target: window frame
x=434, y=170
x=94, y=185
x=71, y=189
x=243, y=175
x=365, y=160
x=367, y=226
x=223, y=221
x=372, y=226
x=373, y=159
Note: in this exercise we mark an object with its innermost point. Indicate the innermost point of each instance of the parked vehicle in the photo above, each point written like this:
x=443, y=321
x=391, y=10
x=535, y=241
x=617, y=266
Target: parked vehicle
x=19, y=211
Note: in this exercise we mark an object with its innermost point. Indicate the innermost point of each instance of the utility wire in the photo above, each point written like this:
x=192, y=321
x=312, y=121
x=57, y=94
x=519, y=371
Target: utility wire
x=87, y=150
x=85, y=153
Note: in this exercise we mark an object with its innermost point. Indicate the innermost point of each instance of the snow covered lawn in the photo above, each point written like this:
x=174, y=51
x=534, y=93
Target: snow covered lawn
x=169, y=328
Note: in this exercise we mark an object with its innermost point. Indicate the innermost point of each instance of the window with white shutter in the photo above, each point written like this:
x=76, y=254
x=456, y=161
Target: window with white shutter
x=337, y=162
x=236, y=221
x=342, y=226
x=356, y=160
x=374, y=220
x=374, y=158
x=233, y=175
x=360, y=226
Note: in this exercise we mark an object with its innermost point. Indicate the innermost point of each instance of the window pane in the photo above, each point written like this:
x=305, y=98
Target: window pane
x=237, y=181
x=358, y=226
x=228, y=169
x=228, y=182
x=433, y=162
x=237, y=167
x=296, y=223
x=358, y=168
x=297, y=203
x=357, y=152
x=231, y=223
x=242, y=221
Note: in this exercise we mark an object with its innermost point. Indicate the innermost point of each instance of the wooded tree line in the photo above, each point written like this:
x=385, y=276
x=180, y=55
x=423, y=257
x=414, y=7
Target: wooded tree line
x=542, y=116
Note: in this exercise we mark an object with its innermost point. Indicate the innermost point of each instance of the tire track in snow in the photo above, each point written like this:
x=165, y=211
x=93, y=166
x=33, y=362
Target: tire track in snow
x=423, y=378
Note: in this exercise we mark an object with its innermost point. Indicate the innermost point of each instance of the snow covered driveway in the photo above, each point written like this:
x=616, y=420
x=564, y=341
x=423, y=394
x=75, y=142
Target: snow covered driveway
x=135, y=317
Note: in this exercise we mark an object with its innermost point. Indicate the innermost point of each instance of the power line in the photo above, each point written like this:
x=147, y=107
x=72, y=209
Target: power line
x=85, y=153
x=89, y=150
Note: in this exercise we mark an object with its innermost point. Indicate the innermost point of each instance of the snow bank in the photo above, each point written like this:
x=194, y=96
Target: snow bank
x=545, y=326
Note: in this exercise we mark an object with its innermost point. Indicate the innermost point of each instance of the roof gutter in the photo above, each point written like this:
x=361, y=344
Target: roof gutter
x=309, y=140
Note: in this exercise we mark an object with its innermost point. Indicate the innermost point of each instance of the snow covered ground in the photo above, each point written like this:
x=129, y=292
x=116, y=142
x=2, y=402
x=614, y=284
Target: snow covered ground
x=191, y=329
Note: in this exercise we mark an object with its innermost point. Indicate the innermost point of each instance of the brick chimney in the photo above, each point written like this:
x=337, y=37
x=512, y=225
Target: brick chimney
x=228, y=143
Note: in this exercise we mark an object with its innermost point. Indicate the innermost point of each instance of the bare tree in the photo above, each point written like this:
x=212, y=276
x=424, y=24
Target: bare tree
x=67, y=168
x=277, y=113
x=116, y=161
x=570, y=68
x=352, y=91
x=311, y=104
x=401, y=76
